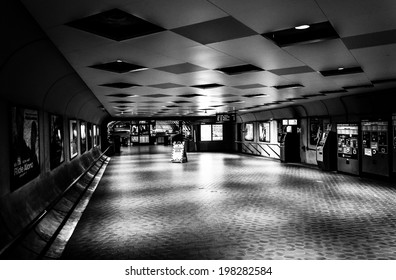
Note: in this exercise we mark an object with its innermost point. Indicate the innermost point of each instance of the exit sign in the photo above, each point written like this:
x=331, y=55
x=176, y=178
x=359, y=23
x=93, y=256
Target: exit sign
x=226, y=117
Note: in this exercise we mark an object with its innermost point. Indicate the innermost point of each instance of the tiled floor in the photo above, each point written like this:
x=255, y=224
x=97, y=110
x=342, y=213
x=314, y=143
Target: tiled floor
x=226, y=206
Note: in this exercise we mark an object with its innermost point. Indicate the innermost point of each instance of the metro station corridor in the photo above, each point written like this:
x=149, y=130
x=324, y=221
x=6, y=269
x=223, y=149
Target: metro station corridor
x=232, y=206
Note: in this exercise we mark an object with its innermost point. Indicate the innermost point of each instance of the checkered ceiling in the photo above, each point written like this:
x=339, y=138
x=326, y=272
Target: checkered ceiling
x=150, y=55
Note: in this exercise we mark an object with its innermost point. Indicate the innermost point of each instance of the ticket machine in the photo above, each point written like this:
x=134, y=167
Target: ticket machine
x=325, y=155
x=348, y=148
x=290, y=141
x=375, y=158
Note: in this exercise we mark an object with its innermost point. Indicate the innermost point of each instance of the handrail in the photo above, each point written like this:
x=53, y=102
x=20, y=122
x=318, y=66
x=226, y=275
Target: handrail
x=42, y=215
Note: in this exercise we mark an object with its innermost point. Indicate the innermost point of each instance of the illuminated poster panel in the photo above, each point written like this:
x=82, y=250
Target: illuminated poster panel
x=94, y=135
x=97, y=135
x=57, y=155
x=89, y=135
x=25, y=164
x=217, y=132
x=73, y=138
x=83, y=137
x=206, y=132
x=264, y=132
x=249, y=132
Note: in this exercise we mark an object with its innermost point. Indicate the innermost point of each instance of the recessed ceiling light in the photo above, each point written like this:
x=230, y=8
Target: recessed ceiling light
x=119, y=60
x=302, y=27
x=340, y=68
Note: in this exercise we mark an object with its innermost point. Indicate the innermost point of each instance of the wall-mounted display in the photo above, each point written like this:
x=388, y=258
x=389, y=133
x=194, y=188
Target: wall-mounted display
x=57, y=155
x=25, y=151
x=73, y=138
x=83, y=136
x=249, y=134
x=89, y=135
x=217, y=132
x=206, y=132
x=264, y=132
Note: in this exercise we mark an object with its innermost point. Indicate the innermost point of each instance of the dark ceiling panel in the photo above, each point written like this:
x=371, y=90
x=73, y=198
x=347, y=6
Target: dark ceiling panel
x=120, y=85
x=370, y=40
x=292, y=70
x=190, y=95
x=255, y=95
x=207, y=86
x=120, y=95
x=359, y=86
x=116, y=25
x=249, y=86
x=315, y=33
x=181, y=68
x=217, y=30
x=239, y=69
x=333, y=91
x=288, y=86
x=166, y=85
x=342, y=71
x=118, y=67
x=157, y=95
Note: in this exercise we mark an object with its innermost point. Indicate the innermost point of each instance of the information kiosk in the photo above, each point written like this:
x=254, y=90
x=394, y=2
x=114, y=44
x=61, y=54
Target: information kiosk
x=348, y=149
x=375, y=159
x=325, y=155
x=290, y=141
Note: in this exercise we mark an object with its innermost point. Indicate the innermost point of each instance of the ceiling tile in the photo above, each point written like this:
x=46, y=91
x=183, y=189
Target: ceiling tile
x=264, y=16
x=355, y=17
x=324, y=55
x=217, y=30
x=258, y=51
x=370, y=40
x=177, y=13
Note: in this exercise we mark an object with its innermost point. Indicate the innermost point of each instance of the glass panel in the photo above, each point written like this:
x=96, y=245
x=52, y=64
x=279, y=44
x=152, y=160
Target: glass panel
x=206, y=132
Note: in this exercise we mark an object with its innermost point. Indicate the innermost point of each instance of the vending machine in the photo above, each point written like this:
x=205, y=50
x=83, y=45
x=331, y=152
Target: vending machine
x=348, y=148
x=375, y=158
x=290, y=141
x=325, y=155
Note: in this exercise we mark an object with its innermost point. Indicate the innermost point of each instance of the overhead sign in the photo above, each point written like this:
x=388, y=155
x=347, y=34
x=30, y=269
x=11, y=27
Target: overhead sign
x=229, y=117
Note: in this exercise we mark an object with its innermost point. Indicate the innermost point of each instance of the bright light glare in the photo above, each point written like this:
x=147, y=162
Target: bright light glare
x=302, y=27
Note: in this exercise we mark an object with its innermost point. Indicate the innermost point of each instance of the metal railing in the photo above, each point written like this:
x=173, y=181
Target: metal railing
x=16, y=240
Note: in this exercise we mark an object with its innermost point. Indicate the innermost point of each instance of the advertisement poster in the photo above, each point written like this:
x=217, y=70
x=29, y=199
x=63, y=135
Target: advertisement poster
x=94, y=135
x=57, y=155
x=97, y=135
x=73, y=138
x=89, y=138
x=217, y=132
x=264, y=135
x=249, y=132
x=315, y=131
x=25, y=146
x=83, y=137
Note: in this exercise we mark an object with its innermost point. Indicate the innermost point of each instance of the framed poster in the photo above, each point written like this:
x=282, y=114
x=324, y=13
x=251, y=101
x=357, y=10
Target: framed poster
x=249, y=135
x=57, y=154
x=25, y=150
x=264, y=132
x=89, y=135
x=206, y=132
x=83, y=136
x=73, y=138
x=217, y=132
